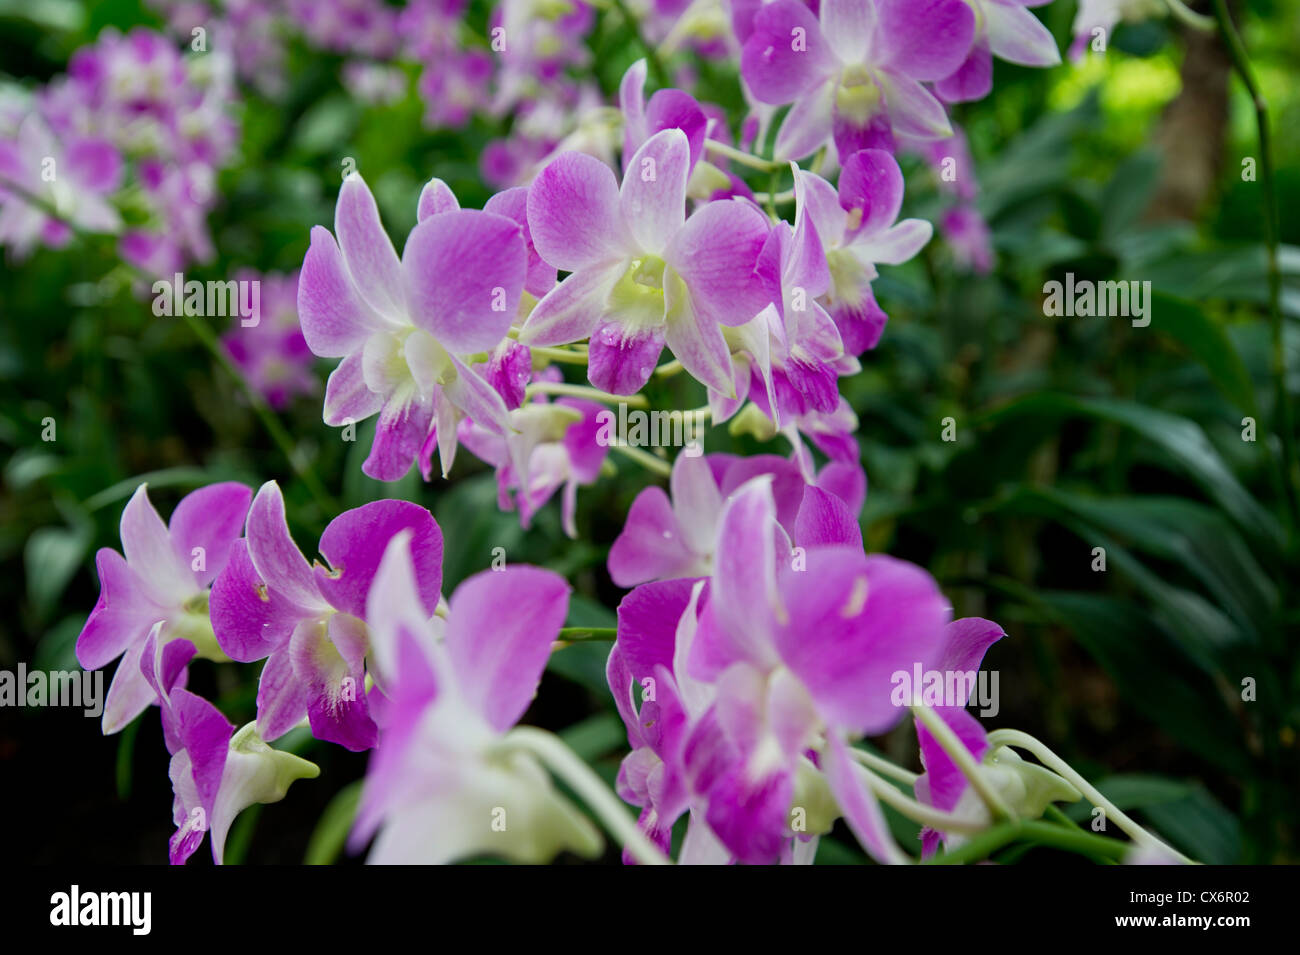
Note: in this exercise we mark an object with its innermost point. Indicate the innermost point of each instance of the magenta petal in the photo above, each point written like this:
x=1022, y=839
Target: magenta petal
x=210, y=519
x=435, y=198
x=647, y=625
x=335, y=686
x=824, y=519
x=275, y=556
x=148, y=548
x=715, y=254
x=477, y=398
x=965, y=642
x=464, y=273
x=129, y=694
x=858, y=621
x=971, y=81
x=871, y=191
x=943, y=781
x=925, y=39
x=335, y=320
x=499, y=636
x=857, y=803
x=653, y=196
x=621, y=359
x=122, y=615
x=573, y=213
x=249, y=619
x=368, y=251
x=651, y=545
x=513, y=204
x=673, y=109
x=95, y=164
x=281, y=696
x=399, y=436
x=774, y=69
x=347, y=397
x=354, y=544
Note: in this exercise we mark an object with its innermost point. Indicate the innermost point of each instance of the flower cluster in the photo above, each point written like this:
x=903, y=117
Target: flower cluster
x=133, y=133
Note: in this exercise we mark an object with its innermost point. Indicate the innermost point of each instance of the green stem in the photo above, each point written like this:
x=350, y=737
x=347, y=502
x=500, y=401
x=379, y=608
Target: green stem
x=582, y=391
x=585, y=634
x=883, y=766
x=744, y=158
x=646, y=460
x=1009, y=737
x=1043, y=833
x=965, y=760
x=917, y=812
x=1240, y=60
x=591, y=789
x=561, y=355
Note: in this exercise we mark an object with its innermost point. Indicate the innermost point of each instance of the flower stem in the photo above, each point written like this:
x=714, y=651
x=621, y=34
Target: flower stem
x=916, y=811
x=586, y=634
x=1237, y=51
x=1042, y=833
x=582, y=391
x=591, y=789
x=645, y=459
x=1009, y=737
x=561, y=355
x=963, y=758
x=744, y=158
x=883, y=766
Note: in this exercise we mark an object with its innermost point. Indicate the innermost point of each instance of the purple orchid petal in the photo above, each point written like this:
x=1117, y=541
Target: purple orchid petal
x=210, y=519
x=778, y=69
x=464, y=272
x=148, y=548
x=925, y=39
x=436, y=198
x=122, y=616
x=1017, y=36
x=620, y=358
x=250, y=619
x=347, y=397
x=354, y=544
x=574, y=213
x=499, y=636
x=859, y=620
x=275, y=556
x=335, y=320
x=858, y=804
x=824, y=519
x=572, y=310
x=652, y=545
x=653, y=196
x=371, y=260
x=715, y=254
x=399, y=435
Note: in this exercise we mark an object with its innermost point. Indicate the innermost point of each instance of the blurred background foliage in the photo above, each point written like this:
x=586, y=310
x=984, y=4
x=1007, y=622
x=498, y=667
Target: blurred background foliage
x=1072, y=434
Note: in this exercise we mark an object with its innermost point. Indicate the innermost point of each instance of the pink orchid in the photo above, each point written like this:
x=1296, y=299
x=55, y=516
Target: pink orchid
x=164, y=578
x=444, y=782
x=644, y=275
x=216, y=772
x=667, y=539
x=1005, y=29
x=308, y=621
x=854, y=73
x=406, y=328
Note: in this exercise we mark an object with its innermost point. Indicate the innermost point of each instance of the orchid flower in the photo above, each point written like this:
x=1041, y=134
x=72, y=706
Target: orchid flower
x=643, y=274
x=445, y=782
x=406, y=328
x=854, y=73
x=216, y=772
x=74, y=178
x=1005, y=29
x=164, y=579
x=859, y=226
x=308, y=622
x=665, y=539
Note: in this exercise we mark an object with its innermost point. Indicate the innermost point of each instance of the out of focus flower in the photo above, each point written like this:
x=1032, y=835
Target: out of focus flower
x=406, y=327
x=273, y=355
x=308, y=621
x=164, y=578
x=854, y=73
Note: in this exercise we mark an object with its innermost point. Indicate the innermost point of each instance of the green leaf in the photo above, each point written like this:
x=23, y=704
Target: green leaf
x=51, y=557
x=1208, y=343
x=331, y=832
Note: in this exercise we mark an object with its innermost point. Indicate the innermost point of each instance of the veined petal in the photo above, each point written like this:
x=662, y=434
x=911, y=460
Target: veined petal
x=786, y=55
x=848, y=26
x=895, y=245
x=574, y=215
x=148, y=548
x=1017, y=36
x=275, y=556
x=696, y=340
x=808, y=124
x=924, y=39
x=209, y=521
x=399, y=435
x=913, y=110
x=371, y=259
x=715, y=254
x=347, y=398
x=861, y=811
x=653, y=195
x=436, y=197
x=464, y=272
x=335, y=320
x=499, y=636
x=571, y=311
x=652, y=544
